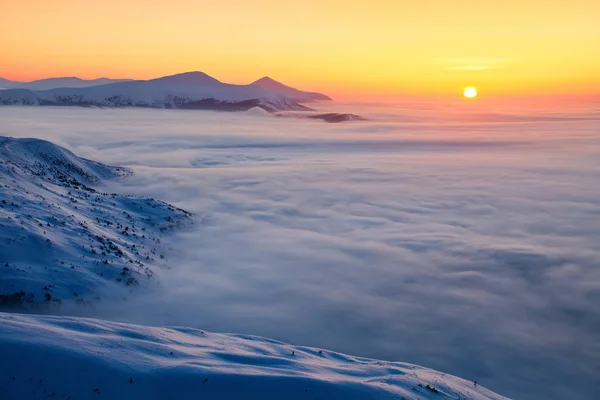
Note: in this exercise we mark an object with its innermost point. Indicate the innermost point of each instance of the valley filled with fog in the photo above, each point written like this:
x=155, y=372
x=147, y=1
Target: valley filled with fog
x=463, y=241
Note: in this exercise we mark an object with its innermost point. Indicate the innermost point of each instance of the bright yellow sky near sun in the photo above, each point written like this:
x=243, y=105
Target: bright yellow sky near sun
x=345, y=48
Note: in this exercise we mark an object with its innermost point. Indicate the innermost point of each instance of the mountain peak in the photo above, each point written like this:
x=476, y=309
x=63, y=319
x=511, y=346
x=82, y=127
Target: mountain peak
x=268, y=83
x=189, y=78
x=271, y=84
x=265, y=79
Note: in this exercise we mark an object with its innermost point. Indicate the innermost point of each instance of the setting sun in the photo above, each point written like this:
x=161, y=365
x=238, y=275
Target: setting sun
x=470, y=92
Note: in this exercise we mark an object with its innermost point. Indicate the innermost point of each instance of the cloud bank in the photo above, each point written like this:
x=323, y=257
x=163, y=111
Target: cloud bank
x=462, y=241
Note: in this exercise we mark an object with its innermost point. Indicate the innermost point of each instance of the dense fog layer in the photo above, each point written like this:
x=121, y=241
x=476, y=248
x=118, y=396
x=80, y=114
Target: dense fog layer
x=461, y=240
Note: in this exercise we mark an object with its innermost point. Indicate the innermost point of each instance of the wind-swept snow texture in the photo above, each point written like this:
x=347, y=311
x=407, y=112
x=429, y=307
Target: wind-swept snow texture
x=61, y=239
x=75, y=358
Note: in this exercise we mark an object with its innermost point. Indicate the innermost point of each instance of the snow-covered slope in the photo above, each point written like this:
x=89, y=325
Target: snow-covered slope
x=76, y=358
x=62, y=238
x=53, y=83
x=191, y=90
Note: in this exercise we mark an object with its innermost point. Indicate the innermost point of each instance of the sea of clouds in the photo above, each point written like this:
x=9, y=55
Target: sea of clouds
x=446, y=236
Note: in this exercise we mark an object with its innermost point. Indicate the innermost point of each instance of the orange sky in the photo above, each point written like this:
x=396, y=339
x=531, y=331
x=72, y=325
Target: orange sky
x=348, y=48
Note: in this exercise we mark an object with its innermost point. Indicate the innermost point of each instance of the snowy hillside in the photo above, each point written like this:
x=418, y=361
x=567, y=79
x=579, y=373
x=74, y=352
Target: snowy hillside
x=192, y=90
x=62, y=238
x=76, y=358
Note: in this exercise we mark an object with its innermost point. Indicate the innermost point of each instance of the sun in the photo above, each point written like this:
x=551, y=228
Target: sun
x=470, y=92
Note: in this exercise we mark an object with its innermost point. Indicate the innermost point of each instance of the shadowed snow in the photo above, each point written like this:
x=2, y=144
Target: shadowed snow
x=100, y=359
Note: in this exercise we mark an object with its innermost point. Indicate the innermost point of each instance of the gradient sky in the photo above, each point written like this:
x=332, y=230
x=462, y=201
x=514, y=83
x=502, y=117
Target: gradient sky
x=345, y=48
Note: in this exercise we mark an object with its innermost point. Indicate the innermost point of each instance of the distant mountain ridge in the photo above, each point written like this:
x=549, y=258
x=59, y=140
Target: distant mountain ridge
x=5, y=83
x=54, y=83
x=190, y=90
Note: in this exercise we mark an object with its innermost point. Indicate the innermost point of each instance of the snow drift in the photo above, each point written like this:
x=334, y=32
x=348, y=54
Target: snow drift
x=76, y=358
